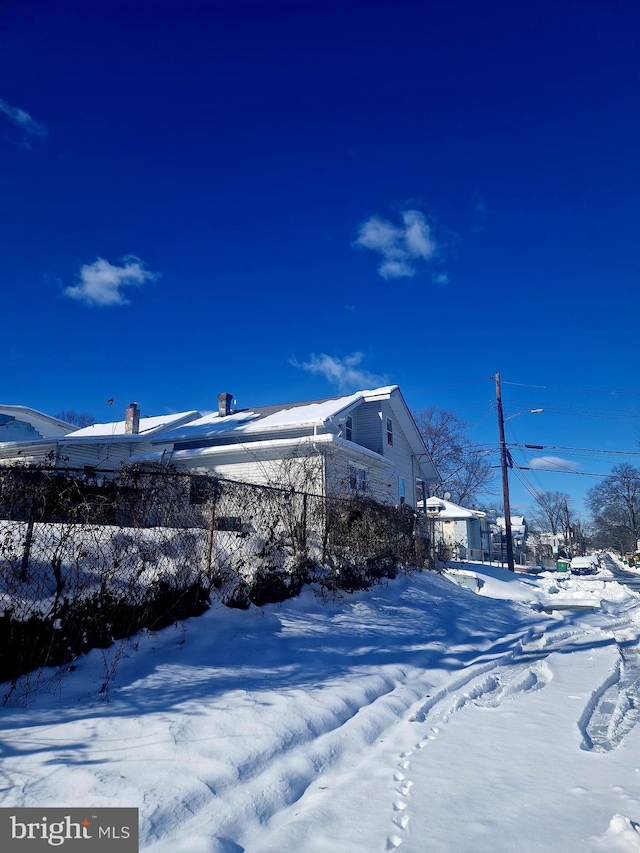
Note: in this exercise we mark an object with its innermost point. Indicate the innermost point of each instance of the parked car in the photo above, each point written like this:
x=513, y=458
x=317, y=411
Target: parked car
x=584, y=565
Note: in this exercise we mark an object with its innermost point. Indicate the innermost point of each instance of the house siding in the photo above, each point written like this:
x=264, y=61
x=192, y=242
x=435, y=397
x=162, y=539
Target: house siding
x=378, y=476
x=459, y=532
x=369, y=431
x=19, y=455
x=271, y=469
x=368, y=426
x=401, y=455
x=107, y=455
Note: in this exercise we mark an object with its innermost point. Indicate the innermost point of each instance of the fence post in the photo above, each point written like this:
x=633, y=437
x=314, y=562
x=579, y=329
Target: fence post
x=27, y=544
x=212, y=527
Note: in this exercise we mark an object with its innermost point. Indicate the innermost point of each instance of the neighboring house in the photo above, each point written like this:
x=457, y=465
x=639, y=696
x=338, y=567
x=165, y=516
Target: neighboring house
x=462, y=530
x=20, y=423
x=519, y=529
x=101, y=446
x=365, y=443
x=22, y=427
x=546, y=543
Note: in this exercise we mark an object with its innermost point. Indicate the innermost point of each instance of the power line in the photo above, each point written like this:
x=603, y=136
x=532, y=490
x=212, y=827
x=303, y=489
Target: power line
x=577, y=449
x=569, y=388
x=566, y=471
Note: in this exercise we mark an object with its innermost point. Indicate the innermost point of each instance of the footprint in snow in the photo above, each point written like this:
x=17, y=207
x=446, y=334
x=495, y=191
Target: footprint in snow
x=402, y=821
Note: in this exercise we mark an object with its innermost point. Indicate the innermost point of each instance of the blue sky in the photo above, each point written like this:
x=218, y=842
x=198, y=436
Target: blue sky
x=289, y=200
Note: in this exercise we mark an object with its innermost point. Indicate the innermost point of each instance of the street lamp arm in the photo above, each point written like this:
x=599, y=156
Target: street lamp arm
x=525, y=412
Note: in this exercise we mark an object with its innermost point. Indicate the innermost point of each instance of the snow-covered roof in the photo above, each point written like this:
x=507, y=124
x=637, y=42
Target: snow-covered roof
x=518, y=524
x=46, y=425
x=148, y=427
x=266, y=418
x=448, y=510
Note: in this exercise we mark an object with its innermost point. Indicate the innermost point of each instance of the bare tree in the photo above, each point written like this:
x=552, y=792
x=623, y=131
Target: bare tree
x=79, y=419
x=615, y=507
x=552, y=512
x=464, y=473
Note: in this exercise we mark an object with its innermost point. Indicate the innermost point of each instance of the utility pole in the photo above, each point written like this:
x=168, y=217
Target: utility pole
x=505, y=478
x=568, y=531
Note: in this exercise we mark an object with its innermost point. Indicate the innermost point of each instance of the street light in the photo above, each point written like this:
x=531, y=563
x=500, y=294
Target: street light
x=504, y=465
x=525, y=412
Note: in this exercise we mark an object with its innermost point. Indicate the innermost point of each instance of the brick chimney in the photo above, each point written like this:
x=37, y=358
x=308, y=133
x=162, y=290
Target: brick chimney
x=132, y=420
x=224, y=404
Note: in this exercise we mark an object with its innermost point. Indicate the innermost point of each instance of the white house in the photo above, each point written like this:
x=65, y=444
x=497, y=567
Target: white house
x=519, y=529
x=101, y=446
x=20, y=423
x=366, y=442
x=457, y=528
x=28, y=435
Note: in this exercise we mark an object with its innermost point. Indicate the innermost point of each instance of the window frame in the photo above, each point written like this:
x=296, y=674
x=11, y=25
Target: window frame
x=358, y=478
x=348, y=428
x=389, y=432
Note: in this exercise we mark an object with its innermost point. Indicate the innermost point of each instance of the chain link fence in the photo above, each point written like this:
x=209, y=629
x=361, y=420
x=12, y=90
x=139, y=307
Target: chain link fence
x=88, y=558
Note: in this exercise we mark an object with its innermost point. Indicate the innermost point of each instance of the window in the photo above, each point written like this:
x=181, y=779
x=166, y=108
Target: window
x=353, y=477
x=357, y=478
x=389, y=431
x=348, y=428
x=401, y=492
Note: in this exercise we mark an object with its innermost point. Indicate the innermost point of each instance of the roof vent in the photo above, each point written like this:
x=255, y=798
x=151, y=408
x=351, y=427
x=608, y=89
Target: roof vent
x=132, y=420
x=224, y=405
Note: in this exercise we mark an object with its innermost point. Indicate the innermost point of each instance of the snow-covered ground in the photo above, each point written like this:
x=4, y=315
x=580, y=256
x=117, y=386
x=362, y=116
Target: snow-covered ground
x=418, y=715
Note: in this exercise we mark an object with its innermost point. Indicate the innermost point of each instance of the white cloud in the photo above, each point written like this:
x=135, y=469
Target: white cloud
x=396, y=269
x=101, y=283
x=29, y=126
x=345, y=373
x=403, y=247
x=440, y=279
x=548, y=463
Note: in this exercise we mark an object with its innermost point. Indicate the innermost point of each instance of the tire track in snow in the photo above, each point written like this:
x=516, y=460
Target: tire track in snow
x=280, y=775
x=614, y=708
x=522, y=670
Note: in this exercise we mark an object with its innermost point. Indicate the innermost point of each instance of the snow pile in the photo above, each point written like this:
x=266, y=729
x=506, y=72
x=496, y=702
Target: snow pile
x=623, y=836
x=417, y=715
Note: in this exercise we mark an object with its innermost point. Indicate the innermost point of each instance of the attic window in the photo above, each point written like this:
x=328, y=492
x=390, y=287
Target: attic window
x=389, y=431
x=348, y=428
